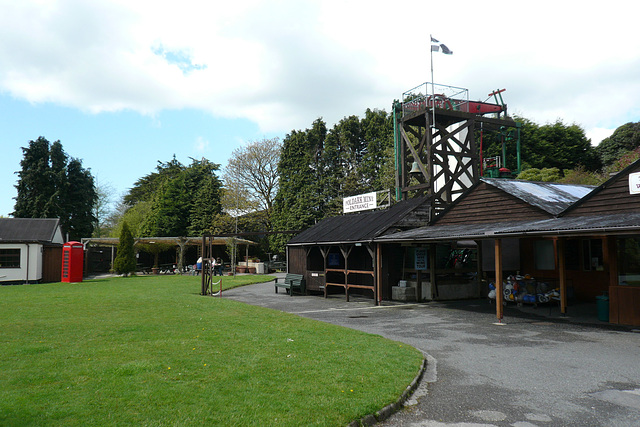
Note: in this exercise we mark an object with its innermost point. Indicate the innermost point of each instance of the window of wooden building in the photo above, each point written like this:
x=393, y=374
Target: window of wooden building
x=629, y=261
x=9, y=258
x=584, y=255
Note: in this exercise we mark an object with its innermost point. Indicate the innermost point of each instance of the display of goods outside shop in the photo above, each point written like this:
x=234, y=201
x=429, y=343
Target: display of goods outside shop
x=525, y=289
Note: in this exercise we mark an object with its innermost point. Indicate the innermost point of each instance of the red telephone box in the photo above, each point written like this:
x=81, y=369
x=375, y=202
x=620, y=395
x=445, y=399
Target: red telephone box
x=72, y=262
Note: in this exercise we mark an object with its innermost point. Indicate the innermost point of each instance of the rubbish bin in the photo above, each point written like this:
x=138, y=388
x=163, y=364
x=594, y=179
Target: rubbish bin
x=602, y=303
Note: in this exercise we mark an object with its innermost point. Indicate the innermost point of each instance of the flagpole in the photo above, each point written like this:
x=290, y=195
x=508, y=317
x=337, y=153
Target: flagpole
x=433, y=90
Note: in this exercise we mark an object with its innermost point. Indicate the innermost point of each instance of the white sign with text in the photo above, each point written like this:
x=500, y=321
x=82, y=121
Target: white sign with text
x=634, y=183
x=361, y=202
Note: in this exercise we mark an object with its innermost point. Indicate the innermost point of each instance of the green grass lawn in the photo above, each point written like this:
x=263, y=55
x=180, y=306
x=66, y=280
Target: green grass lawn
x=151, y=351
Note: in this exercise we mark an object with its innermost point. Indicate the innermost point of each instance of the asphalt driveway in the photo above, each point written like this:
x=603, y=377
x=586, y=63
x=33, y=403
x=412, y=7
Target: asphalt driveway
x=531, y=371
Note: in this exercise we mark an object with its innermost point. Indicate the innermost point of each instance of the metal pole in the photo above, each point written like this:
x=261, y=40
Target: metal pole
x=504, y=148
x=518, y=126
x=203, y=290
x=433, y=88
x=396, y=146
x=481, y=141
x=233, y=256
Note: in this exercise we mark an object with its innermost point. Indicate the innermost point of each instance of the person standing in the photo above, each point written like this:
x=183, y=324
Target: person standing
x=198, y=266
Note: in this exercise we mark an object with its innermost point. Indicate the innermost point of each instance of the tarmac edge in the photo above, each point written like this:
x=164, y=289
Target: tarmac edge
x=392, y=408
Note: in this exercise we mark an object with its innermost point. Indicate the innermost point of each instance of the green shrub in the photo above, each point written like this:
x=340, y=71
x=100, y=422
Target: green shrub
x=125, y=262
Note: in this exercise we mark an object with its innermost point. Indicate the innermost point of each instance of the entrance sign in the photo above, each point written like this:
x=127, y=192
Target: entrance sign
x=361, y=202
x=634, y=183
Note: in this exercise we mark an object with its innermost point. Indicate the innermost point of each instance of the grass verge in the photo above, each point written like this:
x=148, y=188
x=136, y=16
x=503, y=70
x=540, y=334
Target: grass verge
x=151, y=351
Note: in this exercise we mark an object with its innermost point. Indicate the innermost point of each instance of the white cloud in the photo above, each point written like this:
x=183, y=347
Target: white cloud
x=284, y=63
x=596, y=135
x=201, y=145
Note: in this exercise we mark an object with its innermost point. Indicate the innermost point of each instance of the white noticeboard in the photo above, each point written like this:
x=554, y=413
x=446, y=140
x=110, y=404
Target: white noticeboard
x=361, y=202
x=421, y=259
x=634, y=183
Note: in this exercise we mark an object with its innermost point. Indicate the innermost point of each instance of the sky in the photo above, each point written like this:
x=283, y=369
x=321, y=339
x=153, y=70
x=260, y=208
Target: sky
x=124, y=84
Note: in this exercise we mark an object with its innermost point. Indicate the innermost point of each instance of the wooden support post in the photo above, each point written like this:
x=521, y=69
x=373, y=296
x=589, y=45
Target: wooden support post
x=181, y=245
x=610, y=261
x=345, y=253
x=378, y=276
x=432, y=271
x=325, y=252
x=479, y=267
x=374, y=262
x=202, y=280
x=560, y=245
x=499, y=287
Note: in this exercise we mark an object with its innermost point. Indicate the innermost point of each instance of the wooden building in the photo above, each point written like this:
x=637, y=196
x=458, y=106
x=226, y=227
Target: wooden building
x=377, y=251
x=588, y=248
x=30, y=250
x=581, y=240
x=470, y=225
x=339, y=253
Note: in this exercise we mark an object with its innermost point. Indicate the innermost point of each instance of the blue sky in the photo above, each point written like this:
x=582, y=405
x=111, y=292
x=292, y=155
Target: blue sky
x=124, y=84
x=118, y=147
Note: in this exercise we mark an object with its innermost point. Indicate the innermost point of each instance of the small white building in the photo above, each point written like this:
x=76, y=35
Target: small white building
x=30, y=250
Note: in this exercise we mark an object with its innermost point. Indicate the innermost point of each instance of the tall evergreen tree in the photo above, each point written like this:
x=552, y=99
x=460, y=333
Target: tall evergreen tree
x=355, y=159
x=170, y=209
x=51, y=185
x=145, y=188
x=566, y=146
x=58, y=175
x=125, y=261
x=80, y=196
x=377, y=132
x=551, y=145
x=296, y=205
x=318, y=168
x=178, y=200
x=624, y=139
x=35, y=186
x=206, y=207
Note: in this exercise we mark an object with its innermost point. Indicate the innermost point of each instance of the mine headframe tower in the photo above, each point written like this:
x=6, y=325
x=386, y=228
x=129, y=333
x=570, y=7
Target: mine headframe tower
x=435, y=141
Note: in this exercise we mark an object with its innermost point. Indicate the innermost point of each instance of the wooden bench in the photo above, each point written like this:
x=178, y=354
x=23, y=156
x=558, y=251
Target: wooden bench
x=291, y=282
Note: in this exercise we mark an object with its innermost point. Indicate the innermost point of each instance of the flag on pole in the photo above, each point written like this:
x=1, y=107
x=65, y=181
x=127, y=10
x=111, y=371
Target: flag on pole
x=436, y=46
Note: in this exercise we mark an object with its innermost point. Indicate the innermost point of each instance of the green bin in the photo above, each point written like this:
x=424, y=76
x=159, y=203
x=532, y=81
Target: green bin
x=602, y=303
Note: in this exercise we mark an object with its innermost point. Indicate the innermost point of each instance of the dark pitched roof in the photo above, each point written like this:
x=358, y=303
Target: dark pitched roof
x=28, y=229
x=623, y=174
x=610, y=224
x=450, y=232
x=551, y=197
x=579, y=225
x=358, y=227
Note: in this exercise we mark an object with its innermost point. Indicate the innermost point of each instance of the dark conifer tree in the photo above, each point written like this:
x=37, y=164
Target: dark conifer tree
x=50, y=185
x=125, y=262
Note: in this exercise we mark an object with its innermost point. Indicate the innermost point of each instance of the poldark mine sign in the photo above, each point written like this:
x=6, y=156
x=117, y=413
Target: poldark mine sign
x=361, y=202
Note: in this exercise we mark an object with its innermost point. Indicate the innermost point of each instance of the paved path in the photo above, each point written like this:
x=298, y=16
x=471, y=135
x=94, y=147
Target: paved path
x=531, y=371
